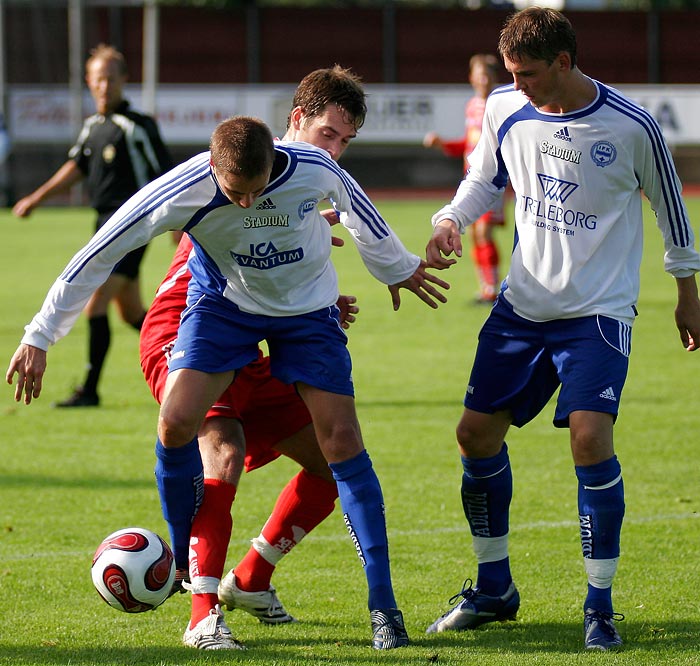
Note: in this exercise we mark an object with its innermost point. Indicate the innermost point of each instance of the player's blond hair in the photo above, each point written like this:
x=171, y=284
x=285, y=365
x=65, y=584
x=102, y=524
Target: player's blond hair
x=487, y=60
x=107, y=53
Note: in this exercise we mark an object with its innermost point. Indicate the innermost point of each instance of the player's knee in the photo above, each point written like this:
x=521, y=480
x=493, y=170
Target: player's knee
x=475, y=443
x=340, y=440
x=175, y=429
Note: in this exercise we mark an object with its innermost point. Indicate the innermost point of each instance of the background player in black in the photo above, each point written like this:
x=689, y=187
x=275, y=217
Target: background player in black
x=118, y=151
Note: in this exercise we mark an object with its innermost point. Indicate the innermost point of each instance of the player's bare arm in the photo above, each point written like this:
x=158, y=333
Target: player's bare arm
x=421, y=284
x=30, y=364
x=688, y=313
x=445, y=240
x=67, y=176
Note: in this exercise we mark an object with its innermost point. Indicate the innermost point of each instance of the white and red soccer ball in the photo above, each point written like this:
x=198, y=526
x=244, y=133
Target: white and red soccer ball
x=133, y=570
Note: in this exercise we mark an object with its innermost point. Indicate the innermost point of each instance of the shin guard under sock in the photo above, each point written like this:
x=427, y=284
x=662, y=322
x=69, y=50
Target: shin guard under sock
x=180, y=480
x=363, y=511
x=601, y=505
x=211, y=533
x=487, y=489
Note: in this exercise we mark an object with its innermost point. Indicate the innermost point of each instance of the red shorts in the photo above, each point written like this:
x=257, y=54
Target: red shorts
x=269, y=410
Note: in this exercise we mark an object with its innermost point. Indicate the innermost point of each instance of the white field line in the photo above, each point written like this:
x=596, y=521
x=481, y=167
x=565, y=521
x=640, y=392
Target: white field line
x=341, y=535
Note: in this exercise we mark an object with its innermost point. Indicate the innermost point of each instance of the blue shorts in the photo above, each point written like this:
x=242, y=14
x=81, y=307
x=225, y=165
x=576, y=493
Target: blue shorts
x=216, y=336
x=520, y=364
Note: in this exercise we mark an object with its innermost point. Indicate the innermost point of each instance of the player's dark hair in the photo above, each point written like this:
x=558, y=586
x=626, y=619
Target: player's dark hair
x=243, y=146
x=333, y=85
x=109, y=54
x=538, y=34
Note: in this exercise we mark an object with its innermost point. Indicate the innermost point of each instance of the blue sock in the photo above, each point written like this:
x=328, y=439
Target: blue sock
x=601, y=507
x=180, y=481
x=487, y=489
x=363, y=511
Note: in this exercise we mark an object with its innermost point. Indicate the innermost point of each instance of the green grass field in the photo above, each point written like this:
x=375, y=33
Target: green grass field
x=68, y=478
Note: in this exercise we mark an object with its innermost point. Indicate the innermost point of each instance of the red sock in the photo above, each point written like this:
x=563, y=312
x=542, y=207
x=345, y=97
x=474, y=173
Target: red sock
x=209, y=539
x=486, y=258
x=305, y=502
x=201, y=605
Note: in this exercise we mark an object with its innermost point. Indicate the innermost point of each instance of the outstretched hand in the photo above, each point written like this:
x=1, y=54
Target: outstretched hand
x=445, y=240
x=421, y=284
x=30, y=364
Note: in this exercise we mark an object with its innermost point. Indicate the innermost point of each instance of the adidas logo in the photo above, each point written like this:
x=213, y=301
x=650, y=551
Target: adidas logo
x=267, y=204
x=609, y=394
x=562, y=134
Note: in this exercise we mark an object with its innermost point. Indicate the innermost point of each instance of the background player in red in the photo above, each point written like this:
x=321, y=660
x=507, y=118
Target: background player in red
x=484, y=70
x=257, y=419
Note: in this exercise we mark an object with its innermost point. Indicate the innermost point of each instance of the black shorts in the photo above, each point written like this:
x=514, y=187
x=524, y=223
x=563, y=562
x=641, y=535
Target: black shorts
x=130, y=265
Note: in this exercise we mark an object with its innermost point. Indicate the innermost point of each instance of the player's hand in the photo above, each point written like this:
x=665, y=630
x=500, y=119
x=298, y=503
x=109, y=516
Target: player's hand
x=688, y=313
x=432, y=140
x=23, y=207
x=331, y=216
x=445, y=240
x=30, y=364
x=348, y=310
x=421, y=284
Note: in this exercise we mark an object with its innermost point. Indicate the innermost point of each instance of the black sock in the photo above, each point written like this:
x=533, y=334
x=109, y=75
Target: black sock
x=98, y=345
x=139, y=322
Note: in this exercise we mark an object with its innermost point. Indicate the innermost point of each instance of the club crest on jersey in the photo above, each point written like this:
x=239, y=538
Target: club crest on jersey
x=306, y=206
x=109, y=152
x=603, y=153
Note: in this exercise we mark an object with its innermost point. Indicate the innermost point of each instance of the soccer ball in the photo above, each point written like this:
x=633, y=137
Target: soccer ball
x=133, y=570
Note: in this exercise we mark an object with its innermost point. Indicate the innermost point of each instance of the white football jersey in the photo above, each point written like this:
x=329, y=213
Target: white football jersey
x=271, y=259
x=577, y=179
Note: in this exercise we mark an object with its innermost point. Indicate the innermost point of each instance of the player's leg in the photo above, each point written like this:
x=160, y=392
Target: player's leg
x=129, y=303
x=222, y=447
x=486, y=492
x=311, y=351
x=306, y=501
x=128, y=296
x=99, y=340
x=179, y=470
x=593, y=371
x=122, y=286
x=209, y=346
x=510, y=382
x=362, y=502
x=601, y=506
x=486, y=258
x=276, y=422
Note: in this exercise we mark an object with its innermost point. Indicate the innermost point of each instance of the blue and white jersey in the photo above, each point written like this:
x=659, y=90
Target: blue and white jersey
x=270, y=259
x=577, y=179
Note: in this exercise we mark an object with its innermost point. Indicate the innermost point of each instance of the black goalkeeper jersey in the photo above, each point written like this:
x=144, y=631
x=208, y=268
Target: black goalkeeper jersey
x=119, y=153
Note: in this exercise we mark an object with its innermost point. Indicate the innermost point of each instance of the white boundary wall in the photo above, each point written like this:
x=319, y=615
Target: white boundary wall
x=399, y=114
